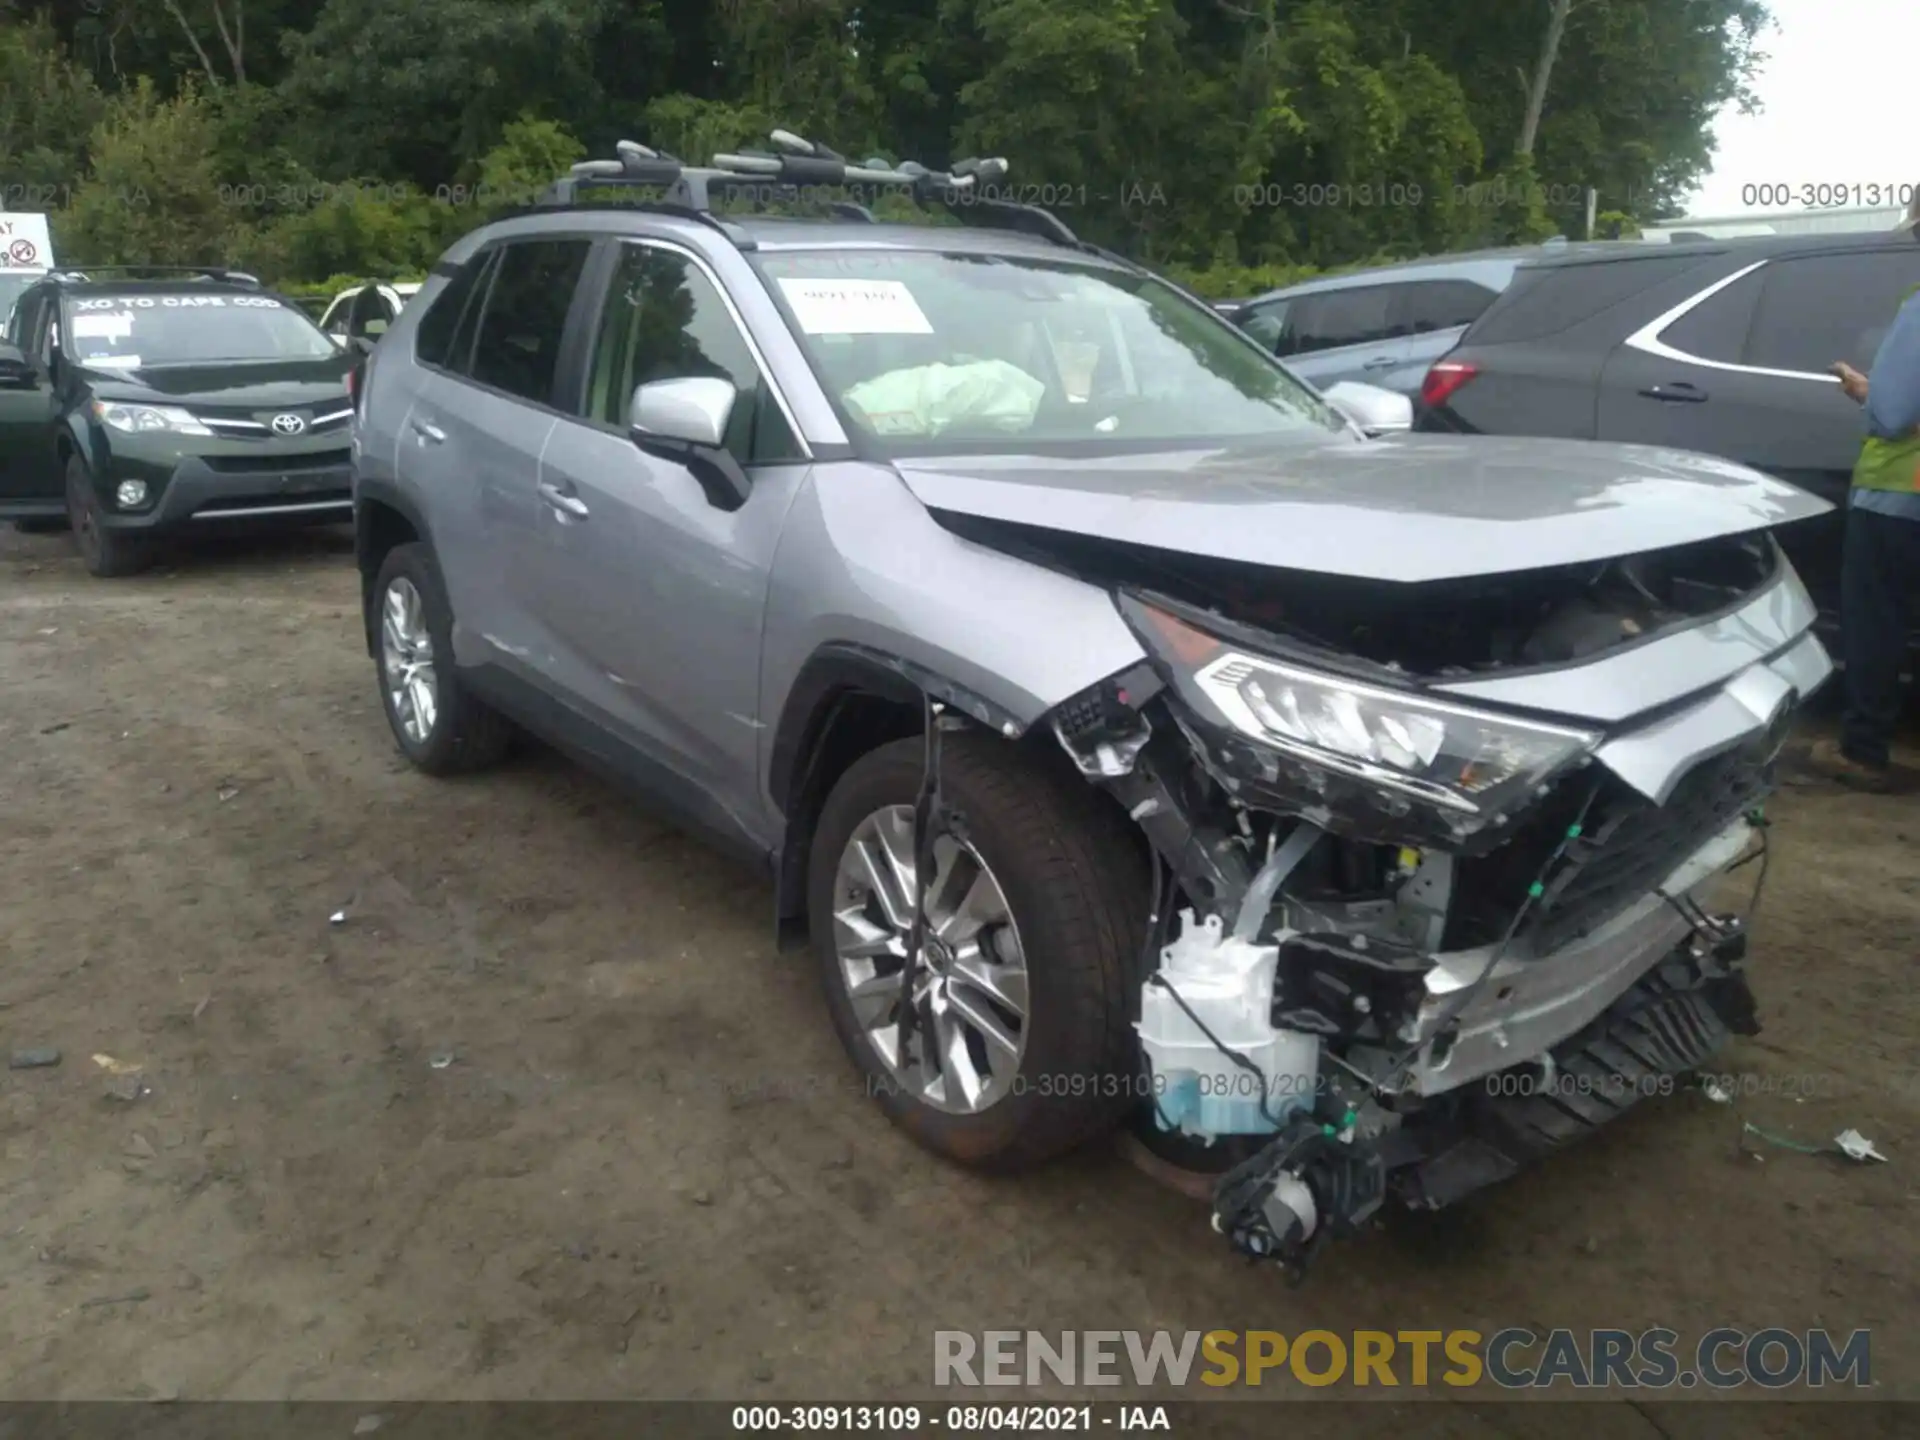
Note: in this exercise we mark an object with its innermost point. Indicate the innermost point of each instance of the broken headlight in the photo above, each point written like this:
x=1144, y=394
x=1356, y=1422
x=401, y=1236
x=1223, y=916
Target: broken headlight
x=1452, y=756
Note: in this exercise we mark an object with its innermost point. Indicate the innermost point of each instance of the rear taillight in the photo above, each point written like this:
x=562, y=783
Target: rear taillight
x=1444, y=380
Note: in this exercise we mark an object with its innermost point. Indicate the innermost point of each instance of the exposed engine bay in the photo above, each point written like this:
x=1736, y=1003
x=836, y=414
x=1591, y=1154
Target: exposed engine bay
x=1402, y=946
x=1432, y=630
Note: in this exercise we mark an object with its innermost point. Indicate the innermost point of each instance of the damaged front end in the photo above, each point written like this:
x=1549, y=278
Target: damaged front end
x=1441, y=872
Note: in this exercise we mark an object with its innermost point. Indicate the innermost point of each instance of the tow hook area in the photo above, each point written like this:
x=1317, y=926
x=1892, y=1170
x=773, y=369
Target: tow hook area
x=1324, y=1176
x=1309, y=1186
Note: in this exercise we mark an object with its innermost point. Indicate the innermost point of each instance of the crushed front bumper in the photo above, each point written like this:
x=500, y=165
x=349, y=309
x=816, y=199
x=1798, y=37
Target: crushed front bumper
x=1528, y=1005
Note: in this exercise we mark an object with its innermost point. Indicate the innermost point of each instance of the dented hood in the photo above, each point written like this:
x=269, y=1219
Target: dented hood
x=1409, y=508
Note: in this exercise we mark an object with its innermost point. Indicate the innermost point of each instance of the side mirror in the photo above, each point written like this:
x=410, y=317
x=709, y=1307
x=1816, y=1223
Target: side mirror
x=16, y=371
x=1375, y=411
x=686, y=421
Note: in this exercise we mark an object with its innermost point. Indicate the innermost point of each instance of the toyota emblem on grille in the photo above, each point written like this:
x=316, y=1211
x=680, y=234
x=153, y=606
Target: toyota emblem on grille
x=289, y=424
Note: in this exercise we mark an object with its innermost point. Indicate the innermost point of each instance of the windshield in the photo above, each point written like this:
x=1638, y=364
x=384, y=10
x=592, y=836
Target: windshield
x=189, y=329
x=11, y=287
x=930, y=353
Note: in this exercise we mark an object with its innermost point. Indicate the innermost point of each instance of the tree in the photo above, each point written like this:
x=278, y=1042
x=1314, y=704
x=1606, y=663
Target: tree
x=152, y=194
x=47, y=107
x=1206, y=135
x=1557, y=13
x=230, y=23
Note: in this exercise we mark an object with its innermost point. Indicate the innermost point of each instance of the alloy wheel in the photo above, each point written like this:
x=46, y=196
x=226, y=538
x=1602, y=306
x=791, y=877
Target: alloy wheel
x=971, y=987
x=406, y=658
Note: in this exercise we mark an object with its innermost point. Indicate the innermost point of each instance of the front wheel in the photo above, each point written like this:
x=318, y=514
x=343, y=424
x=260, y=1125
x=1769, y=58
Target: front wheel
x=1022, y=1050
x=439, y=726
x=109, y=554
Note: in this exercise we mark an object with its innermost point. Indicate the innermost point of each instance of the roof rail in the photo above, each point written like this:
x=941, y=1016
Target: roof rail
x=157, y=272
x=795, y=162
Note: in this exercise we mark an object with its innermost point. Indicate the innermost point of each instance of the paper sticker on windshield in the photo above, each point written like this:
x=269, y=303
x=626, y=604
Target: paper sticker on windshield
x=855, y=307
x=105, y=327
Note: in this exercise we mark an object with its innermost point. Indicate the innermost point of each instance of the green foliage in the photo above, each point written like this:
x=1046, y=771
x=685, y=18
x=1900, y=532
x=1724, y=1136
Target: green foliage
x=1242, y=145
x=152, y=195
x=530, y=154
x=359, y=229
x=48, y=107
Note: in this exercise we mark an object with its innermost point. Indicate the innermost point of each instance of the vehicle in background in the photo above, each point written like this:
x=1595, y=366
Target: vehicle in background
x=168, y=402
x=1382, y=327
x=1719, y=346
x=361, y=315
x=26, y=254
x=1136, y=738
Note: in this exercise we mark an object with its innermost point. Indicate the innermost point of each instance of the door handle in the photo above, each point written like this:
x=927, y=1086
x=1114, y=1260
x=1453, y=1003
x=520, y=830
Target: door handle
x=563, y=499
x=430, y=433
x=1679, y=392
x=1381, y=362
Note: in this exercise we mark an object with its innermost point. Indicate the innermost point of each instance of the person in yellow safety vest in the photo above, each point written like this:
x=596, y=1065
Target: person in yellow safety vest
x=1880, y=566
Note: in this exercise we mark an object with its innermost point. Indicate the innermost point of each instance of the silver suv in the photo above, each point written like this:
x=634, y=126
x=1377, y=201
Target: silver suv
x=1138, y=741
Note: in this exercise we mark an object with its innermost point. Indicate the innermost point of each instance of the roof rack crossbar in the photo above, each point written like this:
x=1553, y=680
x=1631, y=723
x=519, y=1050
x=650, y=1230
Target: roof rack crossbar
x=793, y=162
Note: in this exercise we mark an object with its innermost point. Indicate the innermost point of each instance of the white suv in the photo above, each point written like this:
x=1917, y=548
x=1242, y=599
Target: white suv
x=364, y=312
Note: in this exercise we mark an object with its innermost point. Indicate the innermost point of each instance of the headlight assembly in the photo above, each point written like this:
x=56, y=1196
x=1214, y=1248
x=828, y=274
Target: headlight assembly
x=147, y=419
x=1473, y=762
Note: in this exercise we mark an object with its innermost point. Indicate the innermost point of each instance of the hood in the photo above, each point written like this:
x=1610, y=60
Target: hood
x=1410, y=508
x=249, y=384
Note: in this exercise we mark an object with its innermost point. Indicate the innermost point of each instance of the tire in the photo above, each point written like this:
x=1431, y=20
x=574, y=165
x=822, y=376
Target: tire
x=1075, y=887
x=108, y=554
x=462, y=734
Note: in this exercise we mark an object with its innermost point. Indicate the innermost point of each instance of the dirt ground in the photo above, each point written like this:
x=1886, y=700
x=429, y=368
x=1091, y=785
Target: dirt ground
x=547, y=1116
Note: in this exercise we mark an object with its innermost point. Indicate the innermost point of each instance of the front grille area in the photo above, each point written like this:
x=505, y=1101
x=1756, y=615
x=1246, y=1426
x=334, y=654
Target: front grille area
x=1627, y=846
x=276, y=464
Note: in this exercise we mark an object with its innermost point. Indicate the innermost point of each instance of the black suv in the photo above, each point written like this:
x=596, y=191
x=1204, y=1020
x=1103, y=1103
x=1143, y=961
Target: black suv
x=1715, y=346
x=132, y=406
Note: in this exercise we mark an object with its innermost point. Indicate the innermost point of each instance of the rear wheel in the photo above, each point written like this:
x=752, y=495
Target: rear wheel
x=439, y=726
x=108, y=554
x=1023, y=1048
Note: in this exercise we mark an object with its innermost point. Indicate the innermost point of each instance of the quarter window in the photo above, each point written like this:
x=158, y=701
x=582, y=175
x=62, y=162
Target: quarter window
x=445, y=336
x=1716, y=329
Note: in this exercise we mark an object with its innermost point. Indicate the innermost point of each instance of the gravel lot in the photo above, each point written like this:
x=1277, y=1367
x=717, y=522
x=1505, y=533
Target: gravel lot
x=547, y=1116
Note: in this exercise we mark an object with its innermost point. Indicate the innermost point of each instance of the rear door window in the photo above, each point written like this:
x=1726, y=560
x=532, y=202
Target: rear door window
x=1337, y=318
x=1822, y=308
x=517, y=347
x=1424, y=306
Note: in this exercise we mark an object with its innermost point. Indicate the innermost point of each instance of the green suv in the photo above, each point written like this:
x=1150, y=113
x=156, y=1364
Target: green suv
x=145, y=404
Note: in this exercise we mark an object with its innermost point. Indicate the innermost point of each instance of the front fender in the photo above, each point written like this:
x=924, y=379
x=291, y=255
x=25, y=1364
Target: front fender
x=863, y=567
